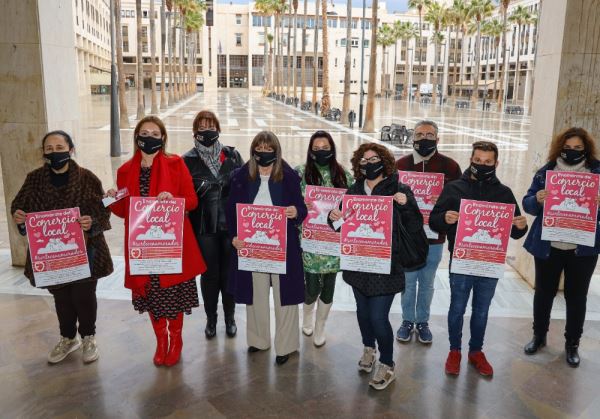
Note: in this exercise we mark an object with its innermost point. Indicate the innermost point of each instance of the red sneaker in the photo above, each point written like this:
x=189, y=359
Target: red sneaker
x=481, y=363
x=453, y=362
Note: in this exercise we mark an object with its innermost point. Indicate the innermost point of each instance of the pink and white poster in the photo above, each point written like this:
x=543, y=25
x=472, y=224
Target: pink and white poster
x=366, y=236
x=263, y=229
x=425, y=186
x=57, y=247
x=482, y=236
x=570, y=208
x=317, y=236
x=155, y=236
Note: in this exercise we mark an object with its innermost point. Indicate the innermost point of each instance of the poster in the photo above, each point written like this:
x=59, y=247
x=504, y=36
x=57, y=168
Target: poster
x=425, y=186
x=121, y=193
x=57, y=247
x=263, y=229
x=155, y=235
x=317, y=236
x=482, y=236
x=366, y=236
x=570, y=208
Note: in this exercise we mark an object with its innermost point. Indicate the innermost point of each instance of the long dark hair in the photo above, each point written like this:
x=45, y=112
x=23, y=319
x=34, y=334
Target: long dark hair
x=312, y=175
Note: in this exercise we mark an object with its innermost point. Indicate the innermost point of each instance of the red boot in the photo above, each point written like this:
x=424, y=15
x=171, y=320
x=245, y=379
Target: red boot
x=175, y=340
x=453, y=362
x=162, y=339
x=481, y=363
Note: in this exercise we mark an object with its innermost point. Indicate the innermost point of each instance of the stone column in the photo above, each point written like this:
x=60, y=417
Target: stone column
x=38, y=81
x=567, y=88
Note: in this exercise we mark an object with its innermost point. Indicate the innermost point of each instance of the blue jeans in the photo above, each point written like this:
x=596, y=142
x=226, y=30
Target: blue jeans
x=460, y=289
x=416, y=303
x=373, y=315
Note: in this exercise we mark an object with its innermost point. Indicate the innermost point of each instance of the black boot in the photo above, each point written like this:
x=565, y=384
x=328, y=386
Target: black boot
x=211, y=327
x=230, y=327
x=572, y=353
x=536, y=343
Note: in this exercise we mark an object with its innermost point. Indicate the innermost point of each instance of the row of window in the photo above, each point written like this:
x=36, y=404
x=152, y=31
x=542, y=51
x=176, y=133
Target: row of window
x=131, y=13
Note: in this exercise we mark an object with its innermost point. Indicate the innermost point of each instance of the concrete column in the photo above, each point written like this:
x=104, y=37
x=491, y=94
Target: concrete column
x=38, y=81
x=566, y=88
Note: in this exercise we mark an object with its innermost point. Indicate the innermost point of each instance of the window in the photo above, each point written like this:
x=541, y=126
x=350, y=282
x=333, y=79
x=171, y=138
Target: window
x=355, y=43
x=343, y=42
x=343, y=22
x=257, y=70
x=354, y=23
x=144, y=13
x=310, y=22
x=144, y=38
x=238, y=39
x=238, y=19
x=366, y=24
x=332, y=23
x=335, y=62
x=366, y=43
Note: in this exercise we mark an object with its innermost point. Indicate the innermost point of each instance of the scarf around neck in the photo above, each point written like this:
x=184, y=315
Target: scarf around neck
x=211, y=156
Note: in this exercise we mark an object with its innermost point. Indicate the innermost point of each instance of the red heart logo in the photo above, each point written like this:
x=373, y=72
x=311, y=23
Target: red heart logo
x=38, y=266
x=135, y=253
x=306, y=234
x=459, y=253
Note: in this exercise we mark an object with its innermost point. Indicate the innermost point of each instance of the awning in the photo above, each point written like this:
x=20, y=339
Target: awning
x=100, y=79
x=482, y=84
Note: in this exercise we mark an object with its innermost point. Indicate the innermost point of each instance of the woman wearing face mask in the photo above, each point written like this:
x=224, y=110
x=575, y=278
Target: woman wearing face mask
x=62, y=183
x=154, y=173
x=321, y=169
x=375, y=173
x=573, y=150
x=211, y=164
x=268, y=180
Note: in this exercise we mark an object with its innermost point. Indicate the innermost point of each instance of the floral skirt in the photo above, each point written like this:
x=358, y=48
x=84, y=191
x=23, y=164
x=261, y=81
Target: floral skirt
x=167, y=302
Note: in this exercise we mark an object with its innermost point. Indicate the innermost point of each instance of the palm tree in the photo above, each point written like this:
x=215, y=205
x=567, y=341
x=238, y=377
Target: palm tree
x=369, y=125
x=316, y=54
x=269, y=38
x=520, y=17
x=171, y=43
x=419, y=5
x=123, y=114
x=479, y=10
x=457, y=17
x=303, y=59
x=347, y=63
x=194, y=20
x=385, y=38
x=436, y=16
x=163, y=96
x=281, y=9
x=325, y=100
x=504, y=11
x=294, y=72
x=266, y=9
x=494, y=29
x=140, y=64
x=289, y=51
x=406, y=31
x=154, y=106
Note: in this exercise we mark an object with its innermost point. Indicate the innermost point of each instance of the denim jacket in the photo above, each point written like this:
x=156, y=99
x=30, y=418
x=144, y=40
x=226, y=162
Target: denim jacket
x=534, y=243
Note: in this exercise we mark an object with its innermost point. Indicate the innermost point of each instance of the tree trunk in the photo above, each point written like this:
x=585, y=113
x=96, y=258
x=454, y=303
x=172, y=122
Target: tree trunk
x=265, y=65
x=497, y=42
x=325, y=101
x=182, y=89
x=434, y=82
x=504, y=62
x=163, y=96
x=140, y=65
x=475, y=94
x=316, y=55
x=347, y=64
x=454, y=68
x=303, y=59
x=123, y=113
x=289, y=55
x=515, y=96
x=383, y=70
x=294, y=72
x=369, y=125
x=170, y=43
x=407, y=88
x=154, y=106
x=462, y=63
x=420, y=76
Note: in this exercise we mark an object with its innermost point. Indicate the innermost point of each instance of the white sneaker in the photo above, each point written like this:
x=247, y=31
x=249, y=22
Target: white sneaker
x=90, y=349
x=383, y=376
x=63, y=348
x=367, y=360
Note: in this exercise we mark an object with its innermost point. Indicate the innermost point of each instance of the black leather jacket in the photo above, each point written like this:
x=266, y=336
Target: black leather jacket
x=209, y=216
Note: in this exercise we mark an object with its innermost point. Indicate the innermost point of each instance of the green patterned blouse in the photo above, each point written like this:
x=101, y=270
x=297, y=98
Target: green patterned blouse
x=314, y=263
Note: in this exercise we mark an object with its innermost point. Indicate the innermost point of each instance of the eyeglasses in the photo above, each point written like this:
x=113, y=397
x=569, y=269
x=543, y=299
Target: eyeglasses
x=372, y=159
x=429, y=136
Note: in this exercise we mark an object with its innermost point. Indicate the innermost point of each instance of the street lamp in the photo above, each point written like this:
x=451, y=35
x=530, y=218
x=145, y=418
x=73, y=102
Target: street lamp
x=115, y=133
x=362, y=64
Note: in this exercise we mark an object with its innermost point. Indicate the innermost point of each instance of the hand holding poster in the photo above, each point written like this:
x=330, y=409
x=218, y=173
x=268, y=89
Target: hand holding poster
x=263, y=229
x=366, y=236
x=121, y=193
x=570, y=208
x=317, y=236
x=155, y=235
x=425, y=186
x=57, y=247
x=482, y=238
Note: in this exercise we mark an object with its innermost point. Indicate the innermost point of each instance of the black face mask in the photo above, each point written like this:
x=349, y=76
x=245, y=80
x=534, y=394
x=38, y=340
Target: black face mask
x=58, y=159
x=206, y=137
x=483, y=172
x=425, y=147
x=149, y=145
x=265, y=158
x=572, y=157
x=322, y=157
x=372, y=170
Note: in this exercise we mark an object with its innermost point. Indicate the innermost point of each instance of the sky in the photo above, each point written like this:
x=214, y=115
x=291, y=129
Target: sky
x=392, y=5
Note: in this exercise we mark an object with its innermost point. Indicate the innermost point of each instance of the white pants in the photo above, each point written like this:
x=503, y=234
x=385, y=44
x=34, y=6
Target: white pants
x=287, y=329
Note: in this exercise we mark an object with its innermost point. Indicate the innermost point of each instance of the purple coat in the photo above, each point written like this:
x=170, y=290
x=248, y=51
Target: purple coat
x=283, y=194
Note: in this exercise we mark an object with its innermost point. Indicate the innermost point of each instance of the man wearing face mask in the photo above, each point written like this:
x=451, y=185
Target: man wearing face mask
x=478, y=182
x=418, y=292
x=211, y=164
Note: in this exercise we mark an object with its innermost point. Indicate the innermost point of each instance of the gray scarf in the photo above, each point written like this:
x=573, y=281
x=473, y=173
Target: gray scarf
x=211, y=156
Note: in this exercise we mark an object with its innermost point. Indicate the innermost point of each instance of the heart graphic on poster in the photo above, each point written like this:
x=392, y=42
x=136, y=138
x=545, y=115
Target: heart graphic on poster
x=306, y=234
x=168, y=225
x=275, y=237
x=136, y=253
x=459, y=253
x=67, y=235
x=171, y=230
x=468, y=222
x=549, y=222
x=37, y=235
x=72, y=240
x=243, y=252
x=271, y=231
x=38, y=266
x=246, y=225
x=586, y=205
x=554, y=192
x=347, y=249
x=495, y=230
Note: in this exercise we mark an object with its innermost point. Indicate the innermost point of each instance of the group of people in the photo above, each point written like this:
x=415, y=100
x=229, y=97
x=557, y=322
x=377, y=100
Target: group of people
x=213, y=179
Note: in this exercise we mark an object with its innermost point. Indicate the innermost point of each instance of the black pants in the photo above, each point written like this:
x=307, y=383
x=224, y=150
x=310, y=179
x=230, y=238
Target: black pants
x=578, y=273
x=76, y=302
x=216, y=249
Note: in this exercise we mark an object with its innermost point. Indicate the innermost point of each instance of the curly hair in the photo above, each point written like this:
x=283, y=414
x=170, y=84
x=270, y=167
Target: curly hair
x=559, y=141
x=389, y=164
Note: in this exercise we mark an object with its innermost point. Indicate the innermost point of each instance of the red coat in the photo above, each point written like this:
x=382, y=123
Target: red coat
x=170, y=174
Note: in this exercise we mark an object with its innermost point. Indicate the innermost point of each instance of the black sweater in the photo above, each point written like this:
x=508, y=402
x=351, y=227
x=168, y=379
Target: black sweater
x=468, y=188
